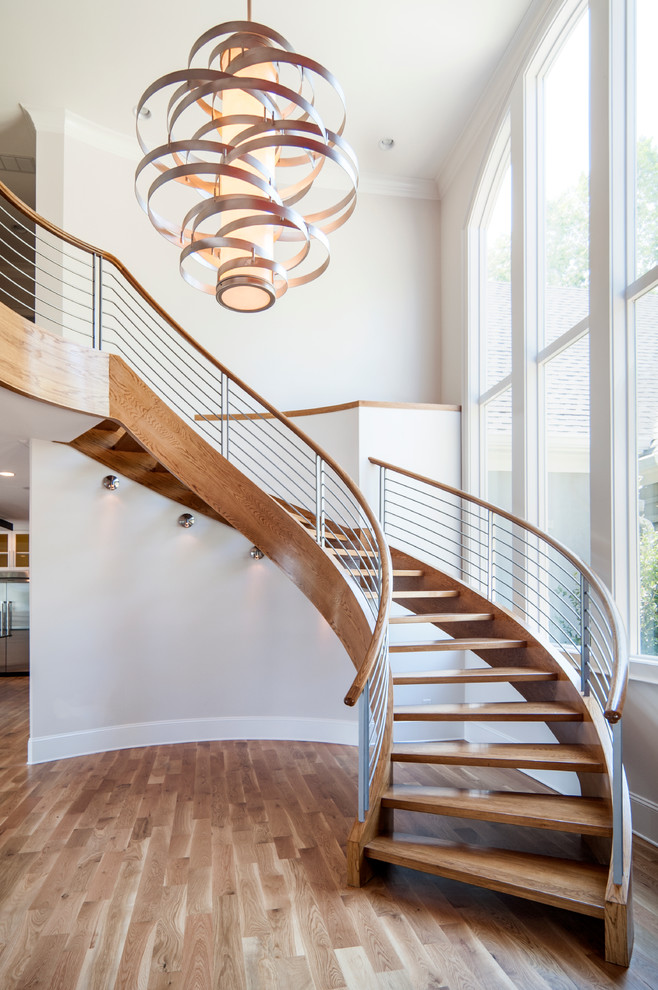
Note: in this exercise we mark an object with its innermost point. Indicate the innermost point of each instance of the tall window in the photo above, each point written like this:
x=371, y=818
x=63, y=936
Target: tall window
x=563, y=252
x=644, y=298
x=535, y=411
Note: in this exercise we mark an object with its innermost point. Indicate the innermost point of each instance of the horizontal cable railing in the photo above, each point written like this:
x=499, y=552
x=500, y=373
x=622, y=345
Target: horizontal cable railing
x=85, y=295
x=512, y=563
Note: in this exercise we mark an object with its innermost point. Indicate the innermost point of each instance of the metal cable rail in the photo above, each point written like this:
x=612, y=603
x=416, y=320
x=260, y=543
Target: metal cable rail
x=515, y=565
x=87, y=296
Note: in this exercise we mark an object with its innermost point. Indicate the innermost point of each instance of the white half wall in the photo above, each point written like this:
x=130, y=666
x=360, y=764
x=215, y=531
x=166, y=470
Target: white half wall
x=145, y=633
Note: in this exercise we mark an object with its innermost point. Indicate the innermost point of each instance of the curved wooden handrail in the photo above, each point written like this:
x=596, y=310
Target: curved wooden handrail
x=381, y=623
x=619, y=680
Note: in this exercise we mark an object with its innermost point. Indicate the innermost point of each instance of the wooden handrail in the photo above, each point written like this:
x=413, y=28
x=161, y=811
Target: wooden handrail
x=381, y=623
x=619, y=679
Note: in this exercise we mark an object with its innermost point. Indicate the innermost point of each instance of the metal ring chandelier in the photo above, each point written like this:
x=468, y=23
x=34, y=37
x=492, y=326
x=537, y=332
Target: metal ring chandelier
x=243, y=145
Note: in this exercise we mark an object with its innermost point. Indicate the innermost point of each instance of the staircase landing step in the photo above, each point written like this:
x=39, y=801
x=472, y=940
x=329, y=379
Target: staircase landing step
x=564, y=813
x=526, y=756
x=477, y=643
x=474, y=675
x=563, y=883
x=497, y=711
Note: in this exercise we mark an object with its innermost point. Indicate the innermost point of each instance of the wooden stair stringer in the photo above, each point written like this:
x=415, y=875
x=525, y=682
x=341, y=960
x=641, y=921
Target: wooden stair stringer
x=140, y=466
x=242, y=503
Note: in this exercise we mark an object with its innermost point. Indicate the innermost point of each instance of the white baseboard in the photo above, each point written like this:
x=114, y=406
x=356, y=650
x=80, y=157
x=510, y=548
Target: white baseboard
x=42, y=749
x=645, y=818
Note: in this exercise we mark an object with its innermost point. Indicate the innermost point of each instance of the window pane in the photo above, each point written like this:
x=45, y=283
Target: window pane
x=646, y=126
x=498, y=297
x=566, y=384
x=566, y=185
x=646, y=330
x=498, y=432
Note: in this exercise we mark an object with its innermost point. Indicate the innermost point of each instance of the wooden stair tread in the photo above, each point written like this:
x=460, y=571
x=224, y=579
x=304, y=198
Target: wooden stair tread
x=431, y=593
x=564, y=883
x=472, y=643
x=474, y=675
x=373, y=570
x=541, y=756
x=357, y=552
x=442, y=617
x=565, y=813
x=499, y=711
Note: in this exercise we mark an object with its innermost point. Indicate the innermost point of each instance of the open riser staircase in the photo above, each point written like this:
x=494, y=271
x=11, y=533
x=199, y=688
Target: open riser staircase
x=497, y=625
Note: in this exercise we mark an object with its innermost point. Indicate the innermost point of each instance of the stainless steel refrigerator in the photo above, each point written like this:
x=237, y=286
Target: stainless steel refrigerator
x=14, y=625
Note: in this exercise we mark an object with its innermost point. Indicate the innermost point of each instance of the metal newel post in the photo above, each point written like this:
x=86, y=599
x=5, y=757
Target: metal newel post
x=99, y=310
x=584, y=635
x=617, y=805
x=490, y=550
x=94, y=302
x=382, y=497
x=319, y=500
x=364, y=752
x=224, y=414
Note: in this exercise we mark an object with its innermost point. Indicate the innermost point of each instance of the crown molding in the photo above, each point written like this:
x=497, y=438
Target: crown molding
x=491, y=109
x=394, y=185
x=58, y=121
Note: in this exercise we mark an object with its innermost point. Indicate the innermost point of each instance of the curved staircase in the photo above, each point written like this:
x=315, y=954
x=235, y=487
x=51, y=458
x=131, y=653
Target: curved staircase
x=174, y=419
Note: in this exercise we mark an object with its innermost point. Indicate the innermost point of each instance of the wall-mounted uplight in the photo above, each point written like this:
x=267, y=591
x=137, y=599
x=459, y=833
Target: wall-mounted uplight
x=111, y=482
x=6, y=474
x=186, y=520
x=256, y=554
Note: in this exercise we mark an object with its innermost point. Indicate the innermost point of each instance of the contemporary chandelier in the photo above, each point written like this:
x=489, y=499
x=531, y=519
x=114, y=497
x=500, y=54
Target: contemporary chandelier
x=239, y=146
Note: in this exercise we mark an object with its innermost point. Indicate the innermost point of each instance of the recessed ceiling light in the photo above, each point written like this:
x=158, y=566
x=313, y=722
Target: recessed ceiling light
x=6, y=474
x=144, y=113
x=387, y=144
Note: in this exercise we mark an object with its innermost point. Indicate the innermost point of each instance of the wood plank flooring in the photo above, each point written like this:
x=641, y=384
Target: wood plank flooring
x=221, y=866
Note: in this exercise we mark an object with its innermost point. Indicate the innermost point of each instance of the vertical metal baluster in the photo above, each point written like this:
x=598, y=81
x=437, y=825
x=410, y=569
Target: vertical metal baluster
x=617, y=805
x=320, y=519
x=364, y=752
x=584, y=635
x=382, y=497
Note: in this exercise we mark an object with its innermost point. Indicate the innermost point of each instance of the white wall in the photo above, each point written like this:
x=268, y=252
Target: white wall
x=367, y=329
x=143, y=632
x=641, y=755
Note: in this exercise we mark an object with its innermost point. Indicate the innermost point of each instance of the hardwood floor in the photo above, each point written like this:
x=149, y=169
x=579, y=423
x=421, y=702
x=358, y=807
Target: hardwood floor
x=221, y=865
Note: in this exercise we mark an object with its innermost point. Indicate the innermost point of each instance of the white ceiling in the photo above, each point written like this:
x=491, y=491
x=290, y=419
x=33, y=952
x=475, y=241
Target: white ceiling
x=411, y=71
